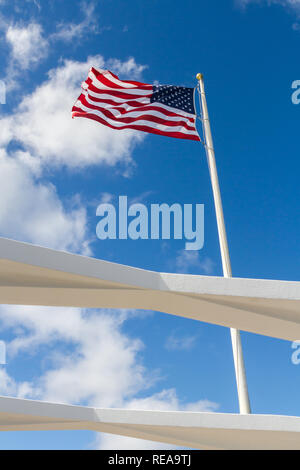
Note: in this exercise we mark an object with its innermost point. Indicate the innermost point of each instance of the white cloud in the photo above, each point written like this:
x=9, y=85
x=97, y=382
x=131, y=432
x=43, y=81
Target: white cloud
x=42, y=123
x=98, y=364
x=32, y=211
x=187, y=260
x=27, y=48
x=180, y=343
x=37, y=4
x=292, y=4
x=70, y=32
x=167, y=400
x=2, y=2
x=7, y=384
x=129, y=67
x=28, y=45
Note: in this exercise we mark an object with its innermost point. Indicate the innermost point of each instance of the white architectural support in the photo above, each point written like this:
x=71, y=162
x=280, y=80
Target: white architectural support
x=189, y=429
x=31, y=275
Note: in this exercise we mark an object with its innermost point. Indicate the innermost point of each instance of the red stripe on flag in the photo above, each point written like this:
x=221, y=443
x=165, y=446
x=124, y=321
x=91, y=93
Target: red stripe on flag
x=128, y=120
x=152, y=130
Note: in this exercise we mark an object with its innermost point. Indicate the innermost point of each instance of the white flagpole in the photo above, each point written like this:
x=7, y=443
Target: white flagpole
x=240, y=373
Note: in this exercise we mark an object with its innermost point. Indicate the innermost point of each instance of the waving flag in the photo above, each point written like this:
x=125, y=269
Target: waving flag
x=123, y=104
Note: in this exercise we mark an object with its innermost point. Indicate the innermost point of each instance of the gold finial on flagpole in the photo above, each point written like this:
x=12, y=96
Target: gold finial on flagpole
x=199, y=76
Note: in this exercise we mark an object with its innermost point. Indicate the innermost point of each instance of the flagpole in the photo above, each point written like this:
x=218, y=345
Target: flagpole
x=239, y=365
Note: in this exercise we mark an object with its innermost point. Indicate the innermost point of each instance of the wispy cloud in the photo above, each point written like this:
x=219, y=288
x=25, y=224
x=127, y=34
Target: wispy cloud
x=141, y=198
x=76, y=31
x=128, y=68
x=293, y=6
x=16, y=2
x=190, y=260
x=290, y=4
x=180, y=343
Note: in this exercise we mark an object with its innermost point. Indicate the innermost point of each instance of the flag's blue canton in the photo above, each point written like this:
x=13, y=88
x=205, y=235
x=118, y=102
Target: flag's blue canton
x=175, y=96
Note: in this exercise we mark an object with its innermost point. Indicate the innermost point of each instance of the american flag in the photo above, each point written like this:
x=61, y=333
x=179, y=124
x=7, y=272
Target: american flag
x=124, y=104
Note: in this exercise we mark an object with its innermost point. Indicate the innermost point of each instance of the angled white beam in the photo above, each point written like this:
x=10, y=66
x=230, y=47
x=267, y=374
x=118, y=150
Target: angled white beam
x=190, y=429
x=31, y=275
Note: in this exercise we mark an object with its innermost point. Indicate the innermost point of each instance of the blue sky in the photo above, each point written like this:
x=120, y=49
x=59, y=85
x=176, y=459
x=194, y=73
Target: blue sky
x=55, y=171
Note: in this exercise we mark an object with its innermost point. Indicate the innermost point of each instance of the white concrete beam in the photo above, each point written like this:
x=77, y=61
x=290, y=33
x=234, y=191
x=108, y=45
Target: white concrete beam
x=189, y=429
x=32, y=275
